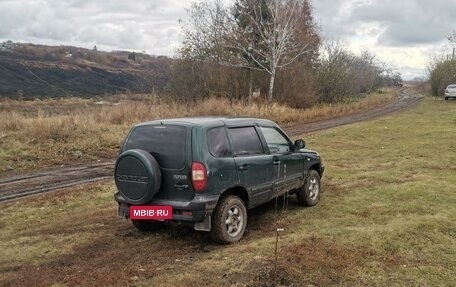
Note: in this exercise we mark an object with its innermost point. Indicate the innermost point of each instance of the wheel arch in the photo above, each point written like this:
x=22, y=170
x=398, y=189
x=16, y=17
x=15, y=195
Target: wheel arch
x=238, y=191
x=317, y=168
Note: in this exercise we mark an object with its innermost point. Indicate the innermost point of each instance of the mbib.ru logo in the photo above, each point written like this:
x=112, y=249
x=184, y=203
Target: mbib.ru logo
x=151, y=212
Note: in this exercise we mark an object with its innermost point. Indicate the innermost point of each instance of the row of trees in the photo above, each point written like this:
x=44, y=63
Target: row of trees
x=342, y=73
x=271, y=45
x=442, y=69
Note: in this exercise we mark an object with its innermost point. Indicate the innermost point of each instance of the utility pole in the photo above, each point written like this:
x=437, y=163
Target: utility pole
x=452, y=56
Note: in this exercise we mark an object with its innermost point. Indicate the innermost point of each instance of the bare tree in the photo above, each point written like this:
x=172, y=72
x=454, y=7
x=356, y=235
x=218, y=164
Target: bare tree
x=344, y=74
x=279, y=32
x=452, y=39
x=204, y=32
x=273, y=34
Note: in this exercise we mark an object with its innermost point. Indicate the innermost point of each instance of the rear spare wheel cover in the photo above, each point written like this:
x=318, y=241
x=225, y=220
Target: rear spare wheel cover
x=137, y=175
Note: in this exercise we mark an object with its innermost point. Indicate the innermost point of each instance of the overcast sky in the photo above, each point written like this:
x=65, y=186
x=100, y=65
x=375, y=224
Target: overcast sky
x=403, y=33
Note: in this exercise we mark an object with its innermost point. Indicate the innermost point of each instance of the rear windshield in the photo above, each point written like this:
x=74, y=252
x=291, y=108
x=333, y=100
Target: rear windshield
x=165, y=142
x=452, y=87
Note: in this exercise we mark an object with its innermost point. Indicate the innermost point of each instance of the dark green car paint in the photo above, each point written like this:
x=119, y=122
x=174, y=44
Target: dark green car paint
x=254, y=178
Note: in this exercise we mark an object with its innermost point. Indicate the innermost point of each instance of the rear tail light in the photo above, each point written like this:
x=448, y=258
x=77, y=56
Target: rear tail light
x=199, y=176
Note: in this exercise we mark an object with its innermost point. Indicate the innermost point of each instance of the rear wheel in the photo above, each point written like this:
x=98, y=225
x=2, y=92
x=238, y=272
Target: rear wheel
x=446, y=98
x=229, y=220
x=309, y=195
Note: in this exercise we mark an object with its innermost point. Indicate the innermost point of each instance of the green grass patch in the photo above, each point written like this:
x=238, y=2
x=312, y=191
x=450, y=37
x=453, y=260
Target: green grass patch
x=387, y=217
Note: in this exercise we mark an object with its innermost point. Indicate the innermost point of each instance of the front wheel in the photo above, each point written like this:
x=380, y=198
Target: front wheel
x=229, y=220
x=309, y=194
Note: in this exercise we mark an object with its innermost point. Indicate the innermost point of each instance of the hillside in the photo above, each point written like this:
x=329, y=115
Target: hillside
x=31, y=71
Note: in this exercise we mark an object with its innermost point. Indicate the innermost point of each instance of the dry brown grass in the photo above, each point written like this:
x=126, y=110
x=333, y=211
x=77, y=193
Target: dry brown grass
x=47, y=132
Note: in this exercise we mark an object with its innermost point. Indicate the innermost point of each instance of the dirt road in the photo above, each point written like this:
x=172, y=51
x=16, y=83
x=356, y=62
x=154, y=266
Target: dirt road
x=26, y=184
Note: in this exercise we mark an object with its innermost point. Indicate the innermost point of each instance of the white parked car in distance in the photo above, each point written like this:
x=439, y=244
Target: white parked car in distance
x=450, y=91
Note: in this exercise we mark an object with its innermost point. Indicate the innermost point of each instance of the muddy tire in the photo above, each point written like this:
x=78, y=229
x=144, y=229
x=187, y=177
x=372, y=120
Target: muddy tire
x=137, y=175
x=228, y=220
x=309, y=194
x=147, y=225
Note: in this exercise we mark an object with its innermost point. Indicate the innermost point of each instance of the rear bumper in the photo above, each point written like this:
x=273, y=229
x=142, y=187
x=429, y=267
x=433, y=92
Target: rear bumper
x=194, y=210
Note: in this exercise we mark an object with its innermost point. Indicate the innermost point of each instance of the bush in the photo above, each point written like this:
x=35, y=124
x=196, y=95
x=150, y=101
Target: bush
x=441, y=74
x=343, y=74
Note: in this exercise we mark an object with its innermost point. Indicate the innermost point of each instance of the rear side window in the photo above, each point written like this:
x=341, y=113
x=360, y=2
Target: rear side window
x=246, y=141
x=165, y=142
x=218, y=142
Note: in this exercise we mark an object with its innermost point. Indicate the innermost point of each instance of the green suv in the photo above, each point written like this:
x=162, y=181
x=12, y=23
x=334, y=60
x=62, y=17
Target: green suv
x=209, y=171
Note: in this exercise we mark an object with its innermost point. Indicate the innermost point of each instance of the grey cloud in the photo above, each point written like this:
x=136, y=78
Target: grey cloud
x=139, y=25
x=152, y=25
x=402, y=22
x=414, y=29
x=330, y=16
x=409, y=22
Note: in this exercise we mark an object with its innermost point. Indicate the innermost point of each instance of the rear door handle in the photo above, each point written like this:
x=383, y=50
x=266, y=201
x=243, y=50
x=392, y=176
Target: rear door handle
x=243, y=167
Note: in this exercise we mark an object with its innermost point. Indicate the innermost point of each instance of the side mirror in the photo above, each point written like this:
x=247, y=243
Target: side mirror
x=299, y=144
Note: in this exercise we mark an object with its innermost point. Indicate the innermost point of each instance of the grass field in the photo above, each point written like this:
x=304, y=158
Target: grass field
x=387, y=217
x=36, y=134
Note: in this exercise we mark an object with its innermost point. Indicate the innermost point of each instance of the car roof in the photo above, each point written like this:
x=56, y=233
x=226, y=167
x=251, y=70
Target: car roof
x=211, y=121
